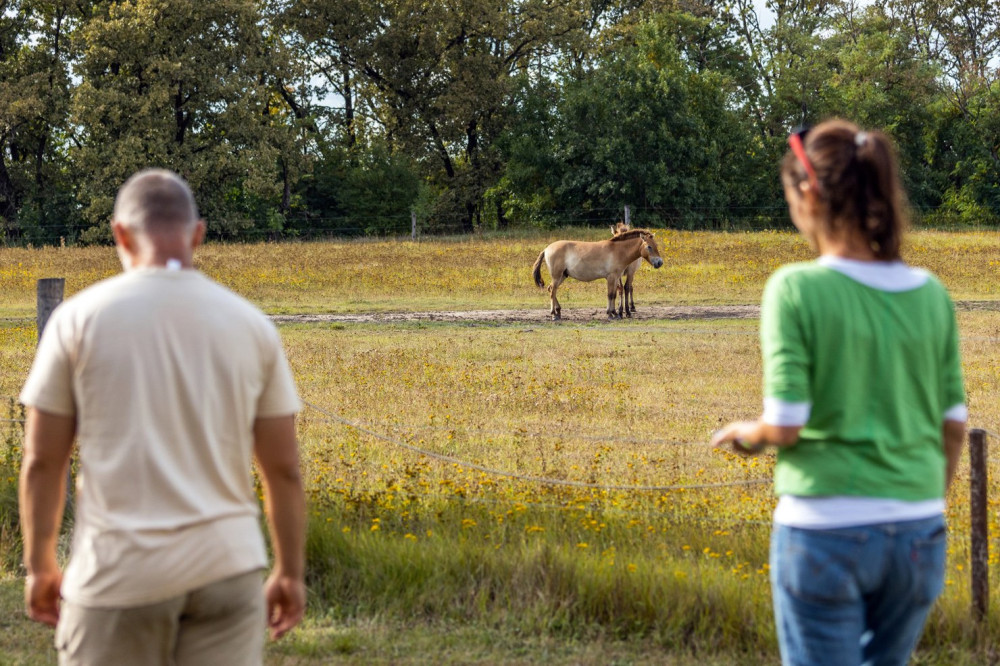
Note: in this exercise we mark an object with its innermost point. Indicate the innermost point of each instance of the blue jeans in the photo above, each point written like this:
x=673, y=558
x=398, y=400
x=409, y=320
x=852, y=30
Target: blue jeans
x=855, y=595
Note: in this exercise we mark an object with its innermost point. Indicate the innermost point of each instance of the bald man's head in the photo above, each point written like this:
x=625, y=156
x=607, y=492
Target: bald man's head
x=156, y=201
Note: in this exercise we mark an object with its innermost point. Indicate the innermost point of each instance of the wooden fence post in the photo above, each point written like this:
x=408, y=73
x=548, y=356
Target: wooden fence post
x=980, y=540
x=628, y=215
x=50, y=294
x=413, y=225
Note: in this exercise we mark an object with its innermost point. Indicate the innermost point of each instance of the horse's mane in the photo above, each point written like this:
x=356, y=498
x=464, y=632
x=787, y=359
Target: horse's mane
x=632, y=233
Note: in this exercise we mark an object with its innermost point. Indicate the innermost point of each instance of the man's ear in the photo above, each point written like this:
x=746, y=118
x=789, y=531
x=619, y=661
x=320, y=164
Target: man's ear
x=123, y=236
x=198, y=235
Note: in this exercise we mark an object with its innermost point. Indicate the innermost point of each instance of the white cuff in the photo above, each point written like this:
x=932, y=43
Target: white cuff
x=957, y=413
x=780, y=413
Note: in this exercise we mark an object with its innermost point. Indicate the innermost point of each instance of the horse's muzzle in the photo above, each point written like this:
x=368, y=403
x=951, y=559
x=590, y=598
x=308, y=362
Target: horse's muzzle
x=657, y=262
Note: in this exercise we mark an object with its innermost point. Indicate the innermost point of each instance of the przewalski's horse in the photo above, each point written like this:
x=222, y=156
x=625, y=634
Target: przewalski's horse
x=626, y=290
x=606, y=259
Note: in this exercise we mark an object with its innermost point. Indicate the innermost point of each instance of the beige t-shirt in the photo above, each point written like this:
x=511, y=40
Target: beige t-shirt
x=165, y=371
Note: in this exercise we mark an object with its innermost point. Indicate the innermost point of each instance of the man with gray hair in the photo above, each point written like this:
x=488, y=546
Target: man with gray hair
x=170, y=385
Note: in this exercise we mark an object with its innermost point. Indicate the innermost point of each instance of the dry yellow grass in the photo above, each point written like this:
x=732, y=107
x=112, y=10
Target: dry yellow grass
x=700, y=267
x=625, y=403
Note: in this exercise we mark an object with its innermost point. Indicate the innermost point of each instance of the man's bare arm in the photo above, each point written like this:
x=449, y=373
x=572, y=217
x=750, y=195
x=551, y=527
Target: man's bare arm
x=284, y=500
x=48, y=443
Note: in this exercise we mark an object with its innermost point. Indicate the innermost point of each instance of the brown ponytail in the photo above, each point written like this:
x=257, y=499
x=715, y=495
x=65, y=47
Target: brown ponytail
x=858, y=182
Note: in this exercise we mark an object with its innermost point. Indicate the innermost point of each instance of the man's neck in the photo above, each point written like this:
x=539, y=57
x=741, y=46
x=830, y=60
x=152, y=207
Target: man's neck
x=163, y=255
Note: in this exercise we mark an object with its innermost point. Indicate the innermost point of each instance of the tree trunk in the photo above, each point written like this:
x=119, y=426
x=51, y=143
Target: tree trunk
x=468, y=222
x=348, y=94
x=286, y=193
x=8, y=199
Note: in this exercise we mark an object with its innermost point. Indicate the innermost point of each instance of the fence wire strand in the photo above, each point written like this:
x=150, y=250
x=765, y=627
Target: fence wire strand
x=532, y=435
x=541, y=480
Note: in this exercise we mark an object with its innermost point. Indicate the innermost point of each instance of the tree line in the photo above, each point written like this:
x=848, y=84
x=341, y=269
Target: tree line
x=317, y=117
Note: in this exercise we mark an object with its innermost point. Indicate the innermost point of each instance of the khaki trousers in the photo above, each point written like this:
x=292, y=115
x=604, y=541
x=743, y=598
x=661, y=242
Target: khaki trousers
x=220, y=624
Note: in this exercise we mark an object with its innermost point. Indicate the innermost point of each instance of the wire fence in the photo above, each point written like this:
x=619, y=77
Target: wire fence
x=318, y=226
x=316, y=229
x=540, y=480
x=530, y=434
x=576, y=503
x=591, y=504
x=369, y=429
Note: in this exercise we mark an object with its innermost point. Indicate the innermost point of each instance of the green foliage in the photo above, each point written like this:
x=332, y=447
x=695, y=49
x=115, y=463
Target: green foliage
x=10, y=464
x=359, y=191
x=650, y=127
x=185, y=85
x=37, y=202
x=310, y=117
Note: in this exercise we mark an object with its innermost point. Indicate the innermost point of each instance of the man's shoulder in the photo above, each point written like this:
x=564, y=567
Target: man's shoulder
x=94, y=296
x=226, y=297
x=127, y=290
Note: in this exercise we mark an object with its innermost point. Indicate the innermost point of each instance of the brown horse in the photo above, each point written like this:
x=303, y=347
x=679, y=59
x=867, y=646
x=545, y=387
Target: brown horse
x=589, y=261
x=626, y=291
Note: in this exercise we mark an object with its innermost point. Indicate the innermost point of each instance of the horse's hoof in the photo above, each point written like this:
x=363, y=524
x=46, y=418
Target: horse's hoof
x=556, y=318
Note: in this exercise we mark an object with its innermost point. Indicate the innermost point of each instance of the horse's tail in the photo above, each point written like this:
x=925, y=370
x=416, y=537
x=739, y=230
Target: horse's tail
x=536, y=270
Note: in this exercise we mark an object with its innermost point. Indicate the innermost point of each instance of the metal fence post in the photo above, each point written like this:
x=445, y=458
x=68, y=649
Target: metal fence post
x=628, y=215
x=980, y=542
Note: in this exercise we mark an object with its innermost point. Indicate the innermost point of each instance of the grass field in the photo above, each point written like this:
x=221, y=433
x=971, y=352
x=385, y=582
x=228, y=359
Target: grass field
x=414, y=558
x=484, y=272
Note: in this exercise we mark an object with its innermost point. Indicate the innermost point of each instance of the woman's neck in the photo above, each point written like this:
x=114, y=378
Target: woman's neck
x=849, y=247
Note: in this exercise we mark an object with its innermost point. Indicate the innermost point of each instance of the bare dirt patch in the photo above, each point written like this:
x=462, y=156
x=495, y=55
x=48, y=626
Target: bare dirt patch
x=576, y=315
x=529, y=316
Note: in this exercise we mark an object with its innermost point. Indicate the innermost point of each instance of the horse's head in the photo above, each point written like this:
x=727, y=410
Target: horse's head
x=620, y=228
x=650, y=252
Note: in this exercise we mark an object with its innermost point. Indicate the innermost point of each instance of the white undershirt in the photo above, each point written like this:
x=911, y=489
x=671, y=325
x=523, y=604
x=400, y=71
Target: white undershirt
x=832, y=512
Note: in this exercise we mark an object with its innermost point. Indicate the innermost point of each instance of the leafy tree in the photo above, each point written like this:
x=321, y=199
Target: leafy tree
x=437, y=76
x=650, y=126
x=191, y=86
x=355, y=190
x=879, y=78
x=963, y=39
x=36, y=198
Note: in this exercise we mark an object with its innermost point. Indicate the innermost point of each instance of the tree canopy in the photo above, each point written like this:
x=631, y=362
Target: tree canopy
x=298, y=118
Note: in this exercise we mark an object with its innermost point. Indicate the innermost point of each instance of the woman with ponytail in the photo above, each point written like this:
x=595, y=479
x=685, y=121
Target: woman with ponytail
x=864, y=401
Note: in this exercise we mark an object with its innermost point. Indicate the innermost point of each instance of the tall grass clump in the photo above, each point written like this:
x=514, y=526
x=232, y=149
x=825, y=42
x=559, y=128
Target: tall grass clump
x=10, y=463
x=457, y=563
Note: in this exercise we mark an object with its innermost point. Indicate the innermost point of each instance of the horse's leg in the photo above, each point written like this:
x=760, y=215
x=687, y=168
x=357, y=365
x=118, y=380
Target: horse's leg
x=620, y=291
x=613, y=281
x=629, y=297
x=556, y=309
x=630, y=284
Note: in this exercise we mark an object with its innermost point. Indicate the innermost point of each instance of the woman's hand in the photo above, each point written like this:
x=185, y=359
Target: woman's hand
x=748, y=438
x=742, y=437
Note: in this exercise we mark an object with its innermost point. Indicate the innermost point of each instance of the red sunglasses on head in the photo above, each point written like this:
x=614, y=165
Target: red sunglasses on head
x=796, y=143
